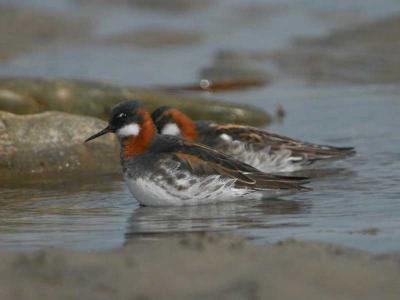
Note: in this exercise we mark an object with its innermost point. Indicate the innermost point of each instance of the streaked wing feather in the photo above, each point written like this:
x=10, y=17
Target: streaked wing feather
x=259, y=138
x=203, y=160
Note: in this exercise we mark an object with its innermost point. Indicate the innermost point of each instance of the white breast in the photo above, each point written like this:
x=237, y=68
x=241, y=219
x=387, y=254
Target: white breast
x=211, y=189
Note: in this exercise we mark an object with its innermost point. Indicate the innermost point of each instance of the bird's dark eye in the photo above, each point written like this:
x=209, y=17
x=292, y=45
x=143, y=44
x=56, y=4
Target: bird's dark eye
x=122, y=116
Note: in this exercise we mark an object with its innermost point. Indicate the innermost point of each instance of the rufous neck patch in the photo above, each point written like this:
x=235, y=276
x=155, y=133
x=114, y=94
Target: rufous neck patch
x=134, y=145
x=186, y=125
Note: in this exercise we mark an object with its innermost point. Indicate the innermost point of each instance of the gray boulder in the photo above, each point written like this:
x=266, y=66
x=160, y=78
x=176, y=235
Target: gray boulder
x=52, y=142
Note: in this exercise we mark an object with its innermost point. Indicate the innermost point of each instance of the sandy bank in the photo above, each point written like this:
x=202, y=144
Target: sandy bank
x=202, y=267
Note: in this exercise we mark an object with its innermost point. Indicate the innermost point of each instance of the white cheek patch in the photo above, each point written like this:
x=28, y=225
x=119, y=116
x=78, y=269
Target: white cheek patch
x=129, y=130
x=226, y=137
x=171, y=129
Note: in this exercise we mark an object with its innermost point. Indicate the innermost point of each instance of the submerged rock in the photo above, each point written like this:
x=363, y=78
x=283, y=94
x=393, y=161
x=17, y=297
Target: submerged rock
x=175, y=6
x=28, y=95
x=366, y=53
x=23, y=29
x=162, y=6
x=154, y=37
x=52, y=142
x=229, y=65
x=253, y=12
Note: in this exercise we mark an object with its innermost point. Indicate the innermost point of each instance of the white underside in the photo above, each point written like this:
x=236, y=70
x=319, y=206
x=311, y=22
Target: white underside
x=264, y=159
x=211, y=189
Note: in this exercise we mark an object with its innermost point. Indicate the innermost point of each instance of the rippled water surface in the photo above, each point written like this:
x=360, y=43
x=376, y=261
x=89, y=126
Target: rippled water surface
x=355, y=202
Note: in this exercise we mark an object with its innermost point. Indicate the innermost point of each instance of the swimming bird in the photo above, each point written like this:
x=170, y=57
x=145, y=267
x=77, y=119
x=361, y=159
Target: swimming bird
x=163, y=170
x=264, y=150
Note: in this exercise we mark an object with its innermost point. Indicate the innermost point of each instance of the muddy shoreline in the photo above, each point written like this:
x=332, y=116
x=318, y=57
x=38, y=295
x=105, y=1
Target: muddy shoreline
x=202, y=266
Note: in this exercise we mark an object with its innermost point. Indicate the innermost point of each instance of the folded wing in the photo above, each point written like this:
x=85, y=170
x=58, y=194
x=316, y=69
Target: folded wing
x=202, y=160
x=259, y=138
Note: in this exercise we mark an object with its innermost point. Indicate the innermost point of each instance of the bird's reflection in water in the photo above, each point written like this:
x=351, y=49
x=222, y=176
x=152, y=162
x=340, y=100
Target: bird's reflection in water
x=158, y=222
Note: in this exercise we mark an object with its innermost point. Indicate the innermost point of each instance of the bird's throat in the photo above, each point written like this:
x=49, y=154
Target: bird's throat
x=137, y=144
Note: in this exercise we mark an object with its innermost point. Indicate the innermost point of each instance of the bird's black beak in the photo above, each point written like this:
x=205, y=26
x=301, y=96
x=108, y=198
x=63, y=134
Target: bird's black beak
x=100, y=133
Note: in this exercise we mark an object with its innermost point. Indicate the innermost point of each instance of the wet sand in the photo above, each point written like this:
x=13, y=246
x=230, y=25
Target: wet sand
x=202, y=267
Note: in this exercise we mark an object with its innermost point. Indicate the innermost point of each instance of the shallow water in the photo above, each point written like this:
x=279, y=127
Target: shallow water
x=355, y=202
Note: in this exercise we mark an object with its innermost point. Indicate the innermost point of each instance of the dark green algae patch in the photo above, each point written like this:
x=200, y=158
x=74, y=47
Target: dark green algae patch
x=43, y=124
x=91, y=98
